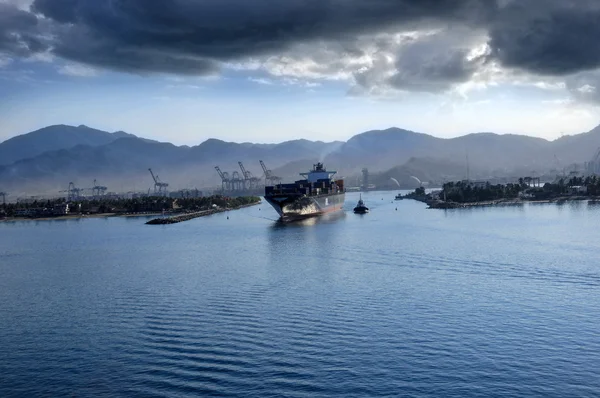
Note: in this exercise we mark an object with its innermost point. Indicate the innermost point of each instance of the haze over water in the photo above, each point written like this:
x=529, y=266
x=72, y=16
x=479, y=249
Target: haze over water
x=410, y=302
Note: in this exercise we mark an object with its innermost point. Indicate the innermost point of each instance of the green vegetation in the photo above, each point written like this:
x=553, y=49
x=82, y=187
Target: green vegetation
x=417, y=194
x=465, y=192
x=46, y=208
x=468, y=192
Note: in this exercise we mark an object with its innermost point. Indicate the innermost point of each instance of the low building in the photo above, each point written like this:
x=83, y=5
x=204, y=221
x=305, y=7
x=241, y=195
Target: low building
x=61, y=209
x=29, y=212
x=526, y=195
x=437, y=195
x=475, y=183
x=186, y=193
x=577, y=190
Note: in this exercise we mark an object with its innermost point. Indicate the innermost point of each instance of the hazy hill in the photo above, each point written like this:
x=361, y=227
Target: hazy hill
x=382, y=149
x=53, y=138
x=229, y=153
x=122, y=164
x=571, y=148
x=488, y=154
x=121, y=161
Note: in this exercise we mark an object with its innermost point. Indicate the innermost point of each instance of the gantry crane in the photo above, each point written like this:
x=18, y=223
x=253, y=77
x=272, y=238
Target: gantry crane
x=237, y=182
x=269, y=177
x=225, y=180
x=250, y=182
x=160, y=188
x=73, y=193
x=98, y=190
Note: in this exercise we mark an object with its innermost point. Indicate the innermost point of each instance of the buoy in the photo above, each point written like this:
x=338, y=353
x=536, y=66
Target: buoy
x=396, y=209
x=228, y=217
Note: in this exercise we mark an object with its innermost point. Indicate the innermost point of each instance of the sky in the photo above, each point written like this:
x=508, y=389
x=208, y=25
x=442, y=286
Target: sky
x=184, y=71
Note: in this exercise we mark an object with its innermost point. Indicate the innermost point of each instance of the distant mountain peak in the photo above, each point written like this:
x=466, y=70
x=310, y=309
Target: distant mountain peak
x=53, y=138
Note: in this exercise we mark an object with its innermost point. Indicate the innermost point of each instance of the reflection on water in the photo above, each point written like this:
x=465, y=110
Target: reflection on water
x=407, y=302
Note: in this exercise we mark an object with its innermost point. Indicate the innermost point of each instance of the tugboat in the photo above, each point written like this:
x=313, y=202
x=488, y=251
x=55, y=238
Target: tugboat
x=360, y=207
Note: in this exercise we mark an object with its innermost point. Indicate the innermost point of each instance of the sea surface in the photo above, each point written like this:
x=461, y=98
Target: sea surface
x=404, y=301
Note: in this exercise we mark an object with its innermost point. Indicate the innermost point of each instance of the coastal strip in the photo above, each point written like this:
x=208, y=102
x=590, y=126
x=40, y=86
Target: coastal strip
x=465, y=194
x=180, y=208
x=190, y=216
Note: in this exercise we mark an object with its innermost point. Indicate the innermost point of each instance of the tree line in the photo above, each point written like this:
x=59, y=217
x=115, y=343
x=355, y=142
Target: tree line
x=468, y=192
x=134, y=205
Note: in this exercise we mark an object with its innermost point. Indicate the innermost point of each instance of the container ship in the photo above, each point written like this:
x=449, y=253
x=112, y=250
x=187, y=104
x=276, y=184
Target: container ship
x=318, y=193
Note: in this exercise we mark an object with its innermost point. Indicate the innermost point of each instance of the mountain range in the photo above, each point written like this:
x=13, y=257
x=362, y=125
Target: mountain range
x=46, y=160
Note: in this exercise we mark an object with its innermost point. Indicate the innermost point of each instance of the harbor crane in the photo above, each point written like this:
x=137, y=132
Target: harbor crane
x=269, y=177
x=98, y=190
x=3, y=194
x=225, y=180
x=237, y=182
x=160, y=188
x=250, y=182
x=73, y=193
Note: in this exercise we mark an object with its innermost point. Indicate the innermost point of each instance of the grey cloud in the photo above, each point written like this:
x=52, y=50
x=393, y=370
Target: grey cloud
x=316, y=38
x=584, y=86
x=156, y=34
x=433, y=62
x=436, y=62
x=549, y=37
x=19, y=31
x=437, y=74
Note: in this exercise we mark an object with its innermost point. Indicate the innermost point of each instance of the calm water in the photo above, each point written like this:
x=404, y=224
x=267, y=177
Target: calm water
x=410, y=302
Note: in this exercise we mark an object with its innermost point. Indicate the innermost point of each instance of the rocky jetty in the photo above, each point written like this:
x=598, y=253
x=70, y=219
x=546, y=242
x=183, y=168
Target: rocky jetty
x=181, y=217
x=190, y=216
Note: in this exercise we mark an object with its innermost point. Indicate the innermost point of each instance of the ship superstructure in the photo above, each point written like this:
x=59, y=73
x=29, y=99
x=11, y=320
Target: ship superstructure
x=318, y=193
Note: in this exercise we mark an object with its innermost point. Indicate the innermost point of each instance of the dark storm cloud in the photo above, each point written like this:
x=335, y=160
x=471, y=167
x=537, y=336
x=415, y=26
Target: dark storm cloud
x=549, y=37
x=186, y=35
x=436, y=62
x=18, y=31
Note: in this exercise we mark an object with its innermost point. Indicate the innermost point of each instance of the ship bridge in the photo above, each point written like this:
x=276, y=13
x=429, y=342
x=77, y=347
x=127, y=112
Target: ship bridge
x=318, y=173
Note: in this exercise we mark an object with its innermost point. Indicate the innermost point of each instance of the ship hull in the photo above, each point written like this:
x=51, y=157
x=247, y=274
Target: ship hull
x=296, y=207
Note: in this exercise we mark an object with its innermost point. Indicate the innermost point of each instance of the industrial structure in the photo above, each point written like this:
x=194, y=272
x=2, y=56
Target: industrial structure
x=160, y=188
x=250, y=182
x=365, y=179
x=244, y=182
x=73, y=193
x=225, y=180
x=593, y=166
x=237, y=182
x=270, y=179
x=98, y=190
x=3, y=194
x=186, y=194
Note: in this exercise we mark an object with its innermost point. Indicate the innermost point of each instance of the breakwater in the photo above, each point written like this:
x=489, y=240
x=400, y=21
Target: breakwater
x=190, y=216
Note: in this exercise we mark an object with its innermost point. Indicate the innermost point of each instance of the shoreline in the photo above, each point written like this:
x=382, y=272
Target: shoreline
x=439, y=204
x=120, y=215
x=77, y=217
